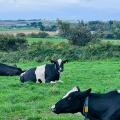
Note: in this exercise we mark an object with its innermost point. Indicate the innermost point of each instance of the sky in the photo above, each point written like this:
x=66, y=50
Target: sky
x=62, y=9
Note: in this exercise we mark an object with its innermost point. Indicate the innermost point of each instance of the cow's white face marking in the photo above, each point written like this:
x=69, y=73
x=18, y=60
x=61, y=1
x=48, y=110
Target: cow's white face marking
x=118, y=91
x=40, y=73
x=53, y=107
x=59, y=61
x=73, y=90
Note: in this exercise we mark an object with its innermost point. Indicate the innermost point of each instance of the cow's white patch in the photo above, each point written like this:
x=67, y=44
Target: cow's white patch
x=40, y=73
x=59, y=61
x=22, y=74
x=73, y=90
x=118, y=91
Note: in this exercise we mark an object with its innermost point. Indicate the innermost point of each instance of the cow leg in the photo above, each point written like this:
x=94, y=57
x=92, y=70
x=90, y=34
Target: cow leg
x=53, y=82
x=60, y=81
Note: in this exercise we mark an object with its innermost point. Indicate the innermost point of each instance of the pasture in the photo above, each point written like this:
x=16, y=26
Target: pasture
x=31, y=101
x=52, y=39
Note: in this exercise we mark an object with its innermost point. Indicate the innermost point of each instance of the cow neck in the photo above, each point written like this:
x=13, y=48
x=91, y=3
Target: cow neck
x=56, y=69
x=85, y=108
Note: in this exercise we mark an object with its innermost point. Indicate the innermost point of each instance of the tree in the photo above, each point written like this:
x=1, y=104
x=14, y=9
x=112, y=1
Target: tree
x=79, y=36
x=64, y=27
x=41, y=26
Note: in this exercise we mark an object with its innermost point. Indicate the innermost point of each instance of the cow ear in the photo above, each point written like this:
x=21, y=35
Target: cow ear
x=65, y=61
x=86, y=93
x=52, y=61
x=78, y=89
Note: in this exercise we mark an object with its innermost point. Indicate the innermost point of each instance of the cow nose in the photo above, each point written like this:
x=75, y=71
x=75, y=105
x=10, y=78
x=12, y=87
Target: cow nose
x=53, y=108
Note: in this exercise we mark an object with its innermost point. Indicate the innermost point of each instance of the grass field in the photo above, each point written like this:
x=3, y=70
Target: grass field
x=33, y=101
x=53, y=39
x=111, y=41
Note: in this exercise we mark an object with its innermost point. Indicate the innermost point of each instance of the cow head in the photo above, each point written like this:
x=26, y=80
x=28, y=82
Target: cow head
x=59, y=64
x=72, y=102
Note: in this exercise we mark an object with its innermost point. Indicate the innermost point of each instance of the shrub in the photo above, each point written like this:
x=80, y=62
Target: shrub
x=12, y=43
x=39, y=35
x=20, y=35
x=45, y=51
x=79, y=36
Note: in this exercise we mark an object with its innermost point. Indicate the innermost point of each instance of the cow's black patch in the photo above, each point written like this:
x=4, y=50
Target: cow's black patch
x=29, y=76
x=51, y=74
x=6, y=70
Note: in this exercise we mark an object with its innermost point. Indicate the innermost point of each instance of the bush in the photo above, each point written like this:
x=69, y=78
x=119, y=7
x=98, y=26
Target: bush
x=20, y=35
x=12, y=43
x=79, y=36
x=45, y=51
x=39, y=35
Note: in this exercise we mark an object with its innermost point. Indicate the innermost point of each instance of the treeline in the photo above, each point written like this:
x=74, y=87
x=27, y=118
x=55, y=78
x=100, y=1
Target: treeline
x=106, y=30
x=103, y=29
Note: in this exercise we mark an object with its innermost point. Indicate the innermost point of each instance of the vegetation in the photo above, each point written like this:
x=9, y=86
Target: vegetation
x=12, y=43
x=21, y=35
x=39, y=35
x=77, y=35
x=40, y=51
x=33, y=101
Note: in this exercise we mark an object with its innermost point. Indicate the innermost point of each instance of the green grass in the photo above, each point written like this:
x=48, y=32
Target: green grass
x=54, y=39
x=33, y=101
x=112, y=41
x=13, y=29
x=57, y=39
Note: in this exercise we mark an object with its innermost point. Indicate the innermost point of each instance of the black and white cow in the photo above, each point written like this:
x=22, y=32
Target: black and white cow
x=48, y=73
x=6, y=70
x=92, y=105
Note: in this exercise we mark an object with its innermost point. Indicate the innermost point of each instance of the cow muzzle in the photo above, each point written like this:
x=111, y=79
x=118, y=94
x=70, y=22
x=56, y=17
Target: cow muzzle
x=53, y=108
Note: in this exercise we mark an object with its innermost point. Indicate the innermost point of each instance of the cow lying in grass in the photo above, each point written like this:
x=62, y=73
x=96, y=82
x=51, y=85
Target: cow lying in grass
x=92, y=105
x=6, y=70
x=48, y=73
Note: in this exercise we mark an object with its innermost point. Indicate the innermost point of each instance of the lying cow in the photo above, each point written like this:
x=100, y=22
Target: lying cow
x=6, y=70
x=93, y=106
x=48, y=73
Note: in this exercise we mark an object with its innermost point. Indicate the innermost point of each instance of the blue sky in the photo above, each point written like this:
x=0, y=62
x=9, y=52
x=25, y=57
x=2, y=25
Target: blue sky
x=63, y=9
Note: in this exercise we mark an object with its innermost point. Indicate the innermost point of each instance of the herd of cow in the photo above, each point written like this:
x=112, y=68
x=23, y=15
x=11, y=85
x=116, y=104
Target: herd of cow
x=93, y=106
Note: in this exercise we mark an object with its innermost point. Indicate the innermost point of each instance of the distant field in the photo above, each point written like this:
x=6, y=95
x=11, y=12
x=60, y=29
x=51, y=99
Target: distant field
x=25, y=31
x=33, y=101
x=57, y=39
x=54, y=40
x=112, y=41
x=16, y=31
